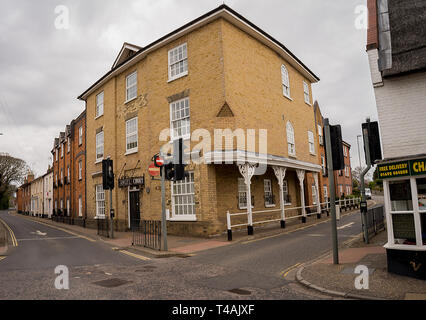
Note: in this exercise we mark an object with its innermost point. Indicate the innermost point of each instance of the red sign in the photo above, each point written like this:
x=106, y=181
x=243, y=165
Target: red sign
x=159, y=161
x=153, y=170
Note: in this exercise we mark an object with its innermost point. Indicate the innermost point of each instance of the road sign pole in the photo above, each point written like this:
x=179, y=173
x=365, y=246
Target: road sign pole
x=163, y=208
x=332, y=192
x=363, y=205
x=111, y=214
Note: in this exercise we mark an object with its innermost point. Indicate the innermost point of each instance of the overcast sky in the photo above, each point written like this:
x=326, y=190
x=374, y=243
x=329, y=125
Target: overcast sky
x=43, y=69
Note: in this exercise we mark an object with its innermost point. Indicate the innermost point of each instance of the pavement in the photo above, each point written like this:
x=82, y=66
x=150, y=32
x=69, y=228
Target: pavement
x=339, y=280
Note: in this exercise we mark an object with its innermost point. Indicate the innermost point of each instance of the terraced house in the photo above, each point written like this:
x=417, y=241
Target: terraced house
x=219, y=71
x=69, y=170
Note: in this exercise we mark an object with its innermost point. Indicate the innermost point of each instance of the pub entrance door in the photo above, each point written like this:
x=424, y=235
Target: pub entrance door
x=134, y=207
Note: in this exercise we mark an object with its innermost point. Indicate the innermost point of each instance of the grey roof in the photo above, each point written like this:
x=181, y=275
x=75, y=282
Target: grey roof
x=407, y=21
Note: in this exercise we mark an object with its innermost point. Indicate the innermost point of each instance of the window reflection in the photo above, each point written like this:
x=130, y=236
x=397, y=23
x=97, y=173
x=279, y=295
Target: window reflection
x=400, y=195
x=421, y=192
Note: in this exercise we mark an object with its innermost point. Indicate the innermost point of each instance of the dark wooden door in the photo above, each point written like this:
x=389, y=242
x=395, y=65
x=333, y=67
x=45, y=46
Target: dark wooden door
x=134, y=209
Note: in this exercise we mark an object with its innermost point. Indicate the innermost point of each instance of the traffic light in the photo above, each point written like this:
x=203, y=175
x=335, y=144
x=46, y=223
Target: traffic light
x=107, y=174
x=373, y=141
x=178, y=161
x=175, y=170
x=336, y=147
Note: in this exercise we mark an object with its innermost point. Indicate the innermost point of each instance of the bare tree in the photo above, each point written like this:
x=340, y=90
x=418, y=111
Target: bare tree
x=12, y=170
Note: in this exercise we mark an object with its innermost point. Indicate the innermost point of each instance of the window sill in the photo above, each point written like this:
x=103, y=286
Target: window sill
x=270, y=205
x=130, y=100
x=131, y=152
x=99, y=161
x=309, y=104
x=183, y=219
x=99, y=217
x=288, y=97
x=101, y=115
x=292, y=156
x=177, y=77
x=287, y=204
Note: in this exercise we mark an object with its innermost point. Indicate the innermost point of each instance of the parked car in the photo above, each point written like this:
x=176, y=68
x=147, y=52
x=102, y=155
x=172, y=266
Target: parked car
x=368, y=193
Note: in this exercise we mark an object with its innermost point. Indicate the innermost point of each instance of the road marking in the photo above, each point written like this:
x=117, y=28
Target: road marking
x=44, y=239
x=2, y=258
x=64, y=230
x=12, y=235
x=346, y=226
x=134, y=255
x=39, y=233
x=316, y=235
x=287, y=271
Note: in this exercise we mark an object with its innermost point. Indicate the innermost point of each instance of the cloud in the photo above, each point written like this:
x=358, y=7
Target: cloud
x=43, y=69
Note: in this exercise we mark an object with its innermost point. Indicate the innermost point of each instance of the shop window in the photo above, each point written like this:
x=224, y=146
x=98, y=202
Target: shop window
x=400, y=195
x=421, y=193
x=404, y=230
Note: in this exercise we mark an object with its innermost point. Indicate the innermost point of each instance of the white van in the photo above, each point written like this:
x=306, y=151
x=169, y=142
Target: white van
x=368, y=193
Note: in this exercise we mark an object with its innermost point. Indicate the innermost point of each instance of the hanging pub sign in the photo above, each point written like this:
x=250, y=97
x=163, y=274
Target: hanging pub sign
x=131, y=182
x=402, y=169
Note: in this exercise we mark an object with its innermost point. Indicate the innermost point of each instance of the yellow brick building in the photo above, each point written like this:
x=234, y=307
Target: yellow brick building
x=217, y=72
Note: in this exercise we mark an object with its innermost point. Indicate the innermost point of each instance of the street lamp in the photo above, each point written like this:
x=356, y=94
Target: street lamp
x=359, y=151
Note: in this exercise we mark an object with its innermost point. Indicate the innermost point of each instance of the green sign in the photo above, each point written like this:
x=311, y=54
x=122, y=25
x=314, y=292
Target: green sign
x=418, y=167
x=394, y=170
x=402, y=169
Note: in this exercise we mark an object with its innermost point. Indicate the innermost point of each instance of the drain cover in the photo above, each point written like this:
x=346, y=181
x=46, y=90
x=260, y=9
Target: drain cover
x=111, y=283
x=241, y=292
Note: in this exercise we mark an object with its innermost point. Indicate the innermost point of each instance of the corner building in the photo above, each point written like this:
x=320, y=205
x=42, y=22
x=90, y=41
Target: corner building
x=219, y=71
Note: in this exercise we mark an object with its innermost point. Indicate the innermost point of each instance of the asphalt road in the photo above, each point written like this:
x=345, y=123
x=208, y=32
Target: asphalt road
x=262, y=269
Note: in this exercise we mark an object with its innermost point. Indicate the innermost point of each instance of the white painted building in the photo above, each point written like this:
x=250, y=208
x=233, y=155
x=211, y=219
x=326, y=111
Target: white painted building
x=397, y=54
x=48, y=193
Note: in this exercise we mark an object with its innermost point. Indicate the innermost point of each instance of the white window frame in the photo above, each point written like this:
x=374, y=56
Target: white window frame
x=80, y=135
x=131, y=135
x=290, y=139
x=345, y=151
x=178, y=59
x=68, y=145
x=183, y=199
x=285, y=81
x=128, y=87
x=306, y=93
x=99, y=146
x=80, y=206
x=184, y=121
x=57, y=155
x=285, y=192
x=80, y=169
x=99, y=105
x=62, y=176
x=62, y=150
x=267, y=189
x=311, y=141
x=325, y=189
x=314, y=195
x=68, y=207
x=320, y=135
x=324, y=169
x=100, y=201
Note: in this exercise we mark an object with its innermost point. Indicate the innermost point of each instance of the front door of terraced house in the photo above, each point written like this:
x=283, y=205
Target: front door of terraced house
x=134, y=207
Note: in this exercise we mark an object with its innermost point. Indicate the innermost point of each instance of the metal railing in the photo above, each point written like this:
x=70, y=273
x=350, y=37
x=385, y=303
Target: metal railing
x=375, y=222
x=309, y=211
x=103, y=227
x=147, y=233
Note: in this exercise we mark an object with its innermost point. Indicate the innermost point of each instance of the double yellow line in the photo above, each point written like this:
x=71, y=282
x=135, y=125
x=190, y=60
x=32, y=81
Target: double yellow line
x=12, y=235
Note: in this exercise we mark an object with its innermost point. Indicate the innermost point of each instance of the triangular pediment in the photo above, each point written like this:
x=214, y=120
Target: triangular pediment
x=225, y=111
x=127, y=51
